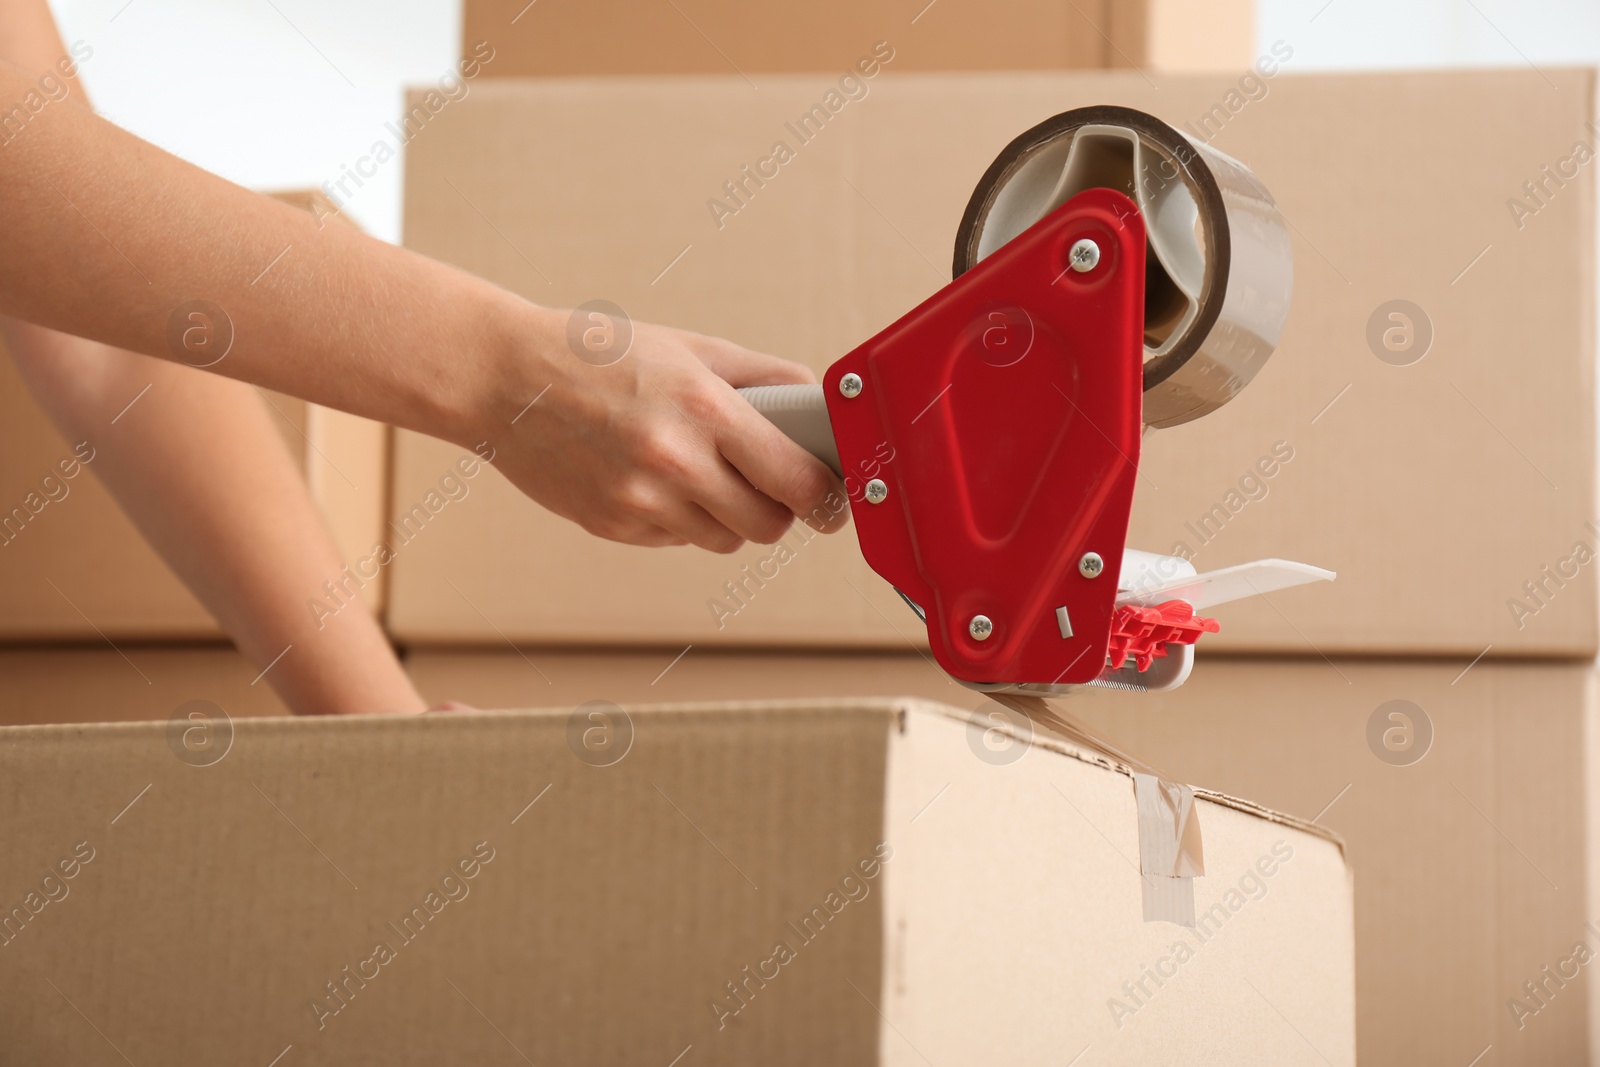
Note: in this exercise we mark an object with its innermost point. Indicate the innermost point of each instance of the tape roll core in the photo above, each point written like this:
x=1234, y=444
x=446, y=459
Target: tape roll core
x=1219, y=270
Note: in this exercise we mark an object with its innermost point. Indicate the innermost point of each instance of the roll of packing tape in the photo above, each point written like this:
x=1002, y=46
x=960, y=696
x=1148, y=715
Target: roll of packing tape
x=1218, y=269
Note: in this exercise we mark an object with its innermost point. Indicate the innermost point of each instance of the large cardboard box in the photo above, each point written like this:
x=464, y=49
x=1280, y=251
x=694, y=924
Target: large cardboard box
x=729, y=37
x=1470, y=819
x=1453, y=495
x=70, y=683
x=852, y=882
x=108, y=583
x=551, y=677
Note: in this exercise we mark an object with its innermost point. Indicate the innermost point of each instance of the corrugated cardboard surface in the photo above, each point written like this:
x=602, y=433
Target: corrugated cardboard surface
x=209, y=906
x=107, y=579
x=1436, y=489
x=726, y=37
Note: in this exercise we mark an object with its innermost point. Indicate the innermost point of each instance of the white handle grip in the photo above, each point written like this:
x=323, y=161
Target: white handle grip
x=801, y=413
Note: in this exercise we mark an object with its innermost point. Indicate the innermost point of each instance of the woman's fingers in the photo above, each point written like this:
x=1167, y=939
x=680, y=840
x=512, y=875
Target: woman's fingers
x=778, y=467
x=698, y=527
x=740, y=367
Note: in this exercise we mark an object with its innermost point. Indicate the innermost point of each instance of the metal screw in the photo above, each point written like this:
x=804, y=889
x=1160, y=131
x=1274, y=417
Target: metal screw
x=850, y=385
x=980, y=627
x=1085, y=255
x=1091, y=565
x=877, y=491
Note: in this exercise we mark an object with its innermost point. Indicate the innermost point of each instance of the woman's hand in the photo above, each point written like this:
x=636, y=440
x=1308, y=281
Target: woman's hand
x=656, y=448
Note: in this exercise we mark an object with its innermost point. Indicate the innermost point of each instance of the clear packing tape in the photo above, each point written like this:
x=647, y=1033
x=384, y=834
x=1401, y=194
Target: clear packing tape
x=1171, y=856
x=1219, y=270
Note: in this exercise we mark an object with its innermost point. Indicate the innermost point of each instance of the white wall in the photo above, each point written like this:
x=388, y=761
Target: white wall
x=1364, y=34
x=273, y=94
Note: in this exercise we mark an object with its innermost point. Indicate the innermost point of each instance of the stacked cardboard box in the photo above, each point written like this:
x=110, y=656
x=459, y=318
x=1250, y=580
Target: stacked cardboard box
x=1437, y=489
x=605, y=37
x=1442, y=462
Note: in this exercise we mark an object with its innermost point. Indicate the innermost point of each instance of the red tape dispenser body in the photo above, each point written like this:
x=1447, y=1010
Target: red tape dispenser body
x=990, y=438
x=1009, y=405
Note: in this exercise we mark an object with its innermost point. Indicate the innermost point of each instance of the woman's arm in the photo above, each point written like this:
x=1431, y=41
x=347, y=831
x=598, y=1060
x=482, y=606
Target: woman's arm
x=203, y=473
x=200, y=468
x=198, y=464
x=105, y=236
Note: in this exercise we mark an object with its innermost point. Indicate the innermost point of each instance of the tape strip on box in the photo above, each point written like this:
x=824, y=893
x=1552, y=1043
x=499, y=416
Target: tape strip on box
x=1169, y=848
x=1171, y=855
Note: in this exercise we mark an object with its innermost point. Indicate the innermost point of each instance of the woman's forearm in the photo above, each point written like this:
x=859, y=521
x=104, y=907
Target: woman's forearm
x=107, y=237
x=200, y=468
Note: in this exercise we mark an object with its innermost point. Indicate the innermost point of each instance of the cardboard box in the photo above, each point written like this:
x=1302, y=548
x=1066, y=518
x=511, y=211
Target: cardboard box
x=727, y=37
x=813, y=882
x=1445, y=492
x=136, y=681
x=553, y=677
x=108, y=581
x=1476, y=865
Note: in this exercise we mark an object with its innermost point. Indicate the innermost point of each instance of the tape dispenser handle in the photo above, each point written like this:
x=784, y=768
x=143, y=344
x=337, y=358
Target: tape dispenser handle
x=801, y=413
